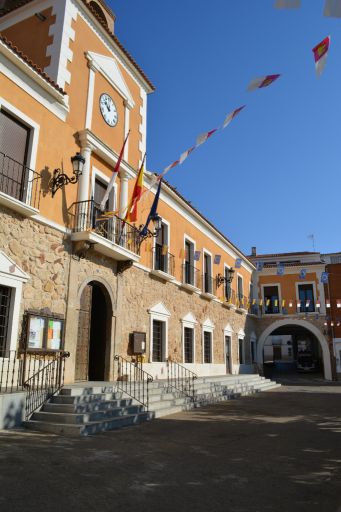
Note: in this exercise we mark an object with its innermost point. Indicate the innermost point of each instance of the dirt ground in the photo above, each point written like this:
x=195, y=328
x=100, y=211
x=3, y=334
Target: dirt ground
x=277, y=451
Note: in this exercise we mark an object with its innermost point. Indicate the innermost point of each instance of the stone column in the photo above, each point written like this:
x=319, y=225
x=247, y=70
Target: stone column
x=84, y=180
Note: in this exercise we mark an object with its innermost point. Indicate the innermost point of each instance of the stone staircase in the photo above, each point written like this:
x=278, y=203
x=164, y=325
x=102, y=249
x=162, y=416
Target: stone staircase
x=90, y=408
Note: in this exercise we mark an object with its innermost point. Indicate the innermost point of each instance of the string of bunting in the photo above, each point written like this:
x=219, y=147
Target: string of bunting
x=332, y=8
x=320, y=52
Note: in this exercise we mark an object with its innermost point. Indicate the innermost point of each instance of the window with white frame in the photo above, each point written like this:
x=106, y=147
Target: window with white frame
x=159, y=316
x=106, y=228
x=14, y=146
x=241, y=350
x=271, y=299
x=188, y=345
x=240, y=288
x=306, y=297
x=207, y=277
x=161, y=260
x=207, y=347
x=227, y=284
x=159, y=341
x=5, y=305
x=189, y=270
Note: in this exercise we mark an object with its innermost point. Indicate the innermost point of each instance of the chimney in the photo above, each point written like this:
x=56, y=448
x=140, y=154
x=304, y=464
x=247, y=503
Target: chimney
x=254, y=251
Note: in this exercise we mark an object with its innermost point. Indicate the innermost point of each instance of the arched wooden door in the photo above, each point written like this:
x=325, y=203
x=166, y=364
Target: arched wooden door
x=94, y=334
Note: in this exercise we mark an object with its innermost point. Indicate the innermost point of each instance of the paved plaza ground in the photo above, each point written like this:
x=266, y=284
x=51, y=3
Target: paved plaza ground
x=278, y=451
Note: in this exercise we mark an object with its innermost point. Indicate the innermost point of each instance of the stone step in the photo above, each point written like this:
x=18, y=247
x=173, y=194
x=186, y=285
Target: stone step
x=86, y=407
x=78, y=399
x=80, y=419
x=90, y=428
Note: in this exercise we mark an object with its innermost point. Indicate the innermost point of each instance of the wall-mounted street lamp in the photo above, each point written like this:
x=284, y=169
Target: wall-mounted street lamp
x=60, y=179
x=220, y=279
x=146, y=233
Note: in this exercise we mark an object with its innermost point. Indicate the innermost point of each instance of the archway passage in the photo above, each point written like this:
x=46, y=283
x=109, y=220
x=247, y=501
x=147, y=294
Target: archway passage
x=94, y=334
x=295, y=352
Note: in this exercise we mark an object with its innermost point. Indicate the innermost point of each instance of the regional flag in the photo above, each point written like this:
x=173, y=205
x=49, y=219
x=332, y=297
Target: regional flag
x=287, y=4
x=231, y=116
x=174, y=164
x=217, y=259
x=303, y=273
x=238, y=263
x=131, y=215
x=114, y=174
x=185, y=154
x=264, y=81
x=204, y=137
x=332, y=8
x=320, y=55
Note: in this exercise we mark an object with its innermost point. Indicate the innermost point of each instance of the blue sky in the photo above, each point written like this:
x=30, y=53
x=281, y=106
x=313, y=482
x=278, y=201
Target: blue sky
x=273, y=176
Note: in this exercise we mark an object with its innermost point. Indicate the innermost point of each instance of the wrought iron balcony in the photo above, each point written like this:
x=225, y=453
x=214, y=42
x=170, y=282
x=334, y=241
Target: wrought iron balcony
x=111, y=236
x=190, y=275
x=163, y=261
x=19, y=182
x=209, y=284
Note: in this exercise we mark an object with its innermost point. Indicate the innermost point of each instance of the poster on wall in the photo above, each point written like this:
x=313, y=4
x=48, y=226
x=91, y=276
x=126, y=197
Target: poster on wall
x=54, y=334
x=36, y=332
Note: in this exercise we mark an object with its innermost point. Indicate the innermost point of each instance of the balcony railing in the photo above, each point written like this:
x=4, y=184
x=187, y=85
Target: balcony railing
x=19, y=182
x=209, y=284
x=190, y=275
x=87, y=217
x=163, y=260
x=230, y=295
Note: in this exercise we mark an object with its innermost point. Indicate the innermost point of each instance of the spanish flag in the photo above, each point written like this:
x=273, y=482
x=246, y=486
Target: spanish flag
x=131, y=215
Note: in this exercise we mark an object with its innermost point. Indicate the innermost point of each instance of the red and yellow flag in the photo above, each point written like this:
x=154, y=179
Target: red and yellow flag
x=131, y=215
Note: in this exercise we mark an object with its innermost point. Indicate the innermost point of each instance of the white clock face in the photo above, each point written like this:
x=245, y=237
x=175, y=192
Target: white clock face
x=108, y=110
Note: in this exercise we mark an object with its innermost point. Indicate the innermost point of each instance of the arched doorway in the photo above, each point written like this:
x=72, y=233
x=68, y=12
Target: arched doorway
x=94, y=333
x=295, y=342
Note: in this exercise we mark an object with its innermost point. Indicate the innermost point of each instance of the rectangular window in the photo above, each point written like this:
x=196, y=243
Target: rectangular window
x=188, y=344
x=158, y=341
x=14, y=141
x=161, y=249
x=240, y=288
x=207, y=347
x=271, y=300
x=5, y=302
x=241, y=351
x=306, y=296
x=104, y=228
x=227, y=284
x=189, y=263
x=208, y=288
x=228, y=353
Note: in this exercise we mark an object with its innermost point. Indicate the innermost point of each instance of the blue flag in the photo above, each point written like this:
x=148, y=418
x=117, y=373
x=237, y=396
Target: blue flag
x=238, y=263
x=197, y=255
x=280, y=269
x=324, y=277
x=217, y=259
x=153, y=211
x=303, y=273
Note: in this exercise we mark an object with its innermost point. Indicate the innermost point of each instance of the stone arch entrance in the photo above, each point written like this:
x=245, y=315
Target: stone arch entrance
x=94, y=333
x=301, y=324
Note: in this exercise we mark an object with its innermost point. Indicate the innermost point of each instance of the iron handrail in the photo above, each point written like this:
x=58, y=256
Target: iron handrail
x=133, y=380
x=45, y=382
x=19, y=181
x=87, y=216
x=163, y=261
x=181, y=378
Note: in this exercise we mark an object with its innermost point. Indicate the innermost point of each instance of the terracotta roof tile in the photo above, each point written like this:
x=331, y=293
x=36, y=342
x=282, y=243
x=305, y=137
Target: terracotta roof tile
x=32, y=65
